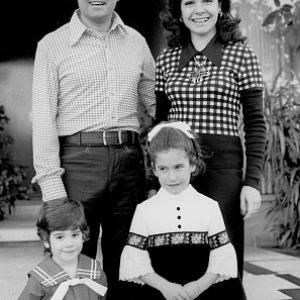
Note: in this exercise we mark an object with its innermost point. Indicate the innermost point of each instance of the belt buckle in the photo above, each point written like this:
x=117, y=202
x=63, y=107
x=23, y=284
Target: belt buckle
x=104, y=138
x=120, y=137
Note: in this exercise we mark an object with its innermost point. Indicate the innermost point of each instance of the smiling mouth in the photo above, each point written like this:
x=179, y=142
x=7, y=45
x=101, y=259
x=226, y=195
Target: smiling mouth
x=97, y=3
x=200, y=20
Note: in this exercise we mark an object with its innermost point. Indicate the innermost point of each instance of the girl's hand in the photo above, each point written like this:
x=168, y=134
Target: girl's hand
x=250, y=201
x=193, y=289
x=173, y=291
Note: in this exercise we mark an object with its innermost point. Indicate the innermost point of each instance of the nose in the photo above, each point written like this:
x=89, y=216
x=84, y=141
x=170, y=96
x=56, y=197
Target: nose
x=199, y=8
x=69, y=241
x=172, y=175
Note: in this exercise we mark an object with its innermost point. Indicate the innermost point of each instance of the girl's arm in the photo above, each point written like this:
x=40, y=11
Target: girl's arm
x=195, y=288
x=170, y=290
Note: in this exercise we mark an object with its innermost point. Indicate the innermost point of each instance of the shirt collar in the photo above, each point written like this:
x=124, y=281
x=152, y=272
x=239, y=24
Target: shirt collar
x=213, y=51
x=78, y=28
x=49, y=273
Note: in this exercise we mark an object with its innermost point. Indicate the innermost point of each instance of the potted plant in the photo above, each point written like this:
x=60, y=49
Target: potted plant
x=281, y=174
x=282, y=163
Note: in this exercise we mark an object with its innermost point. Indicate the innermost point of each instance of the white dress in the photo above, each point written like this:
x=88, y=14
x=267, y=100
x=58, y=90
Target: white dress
x=180, y=237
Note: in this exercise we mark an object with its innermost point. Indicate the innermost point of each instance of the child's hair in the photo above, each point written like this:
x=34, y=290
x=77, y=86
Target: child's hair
x=169, y=137
x=60, y=215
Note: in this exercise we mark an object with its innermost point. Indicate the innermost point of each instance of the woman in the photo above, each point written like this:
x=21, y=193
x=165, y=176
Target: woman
x=203, y=78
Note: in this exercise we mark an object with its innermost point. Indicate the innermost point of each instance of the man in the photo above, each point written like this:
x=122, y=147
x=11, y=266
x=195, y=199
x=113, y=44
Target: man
x=90, y=77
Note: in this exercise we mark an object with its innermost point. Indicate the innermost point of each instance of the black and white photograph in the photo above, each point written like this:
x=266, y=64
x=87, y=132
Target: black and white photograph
x=150, y=150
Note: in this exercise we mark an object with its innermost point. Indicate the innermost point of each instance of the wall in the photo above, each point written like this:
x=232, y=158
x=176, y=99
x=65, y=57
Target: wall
x=15, y=95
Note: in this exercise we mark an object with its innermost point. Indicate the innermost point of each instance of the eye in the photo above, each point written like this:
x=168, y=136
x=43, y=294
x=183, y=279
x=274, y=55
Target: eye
x=162, y=169
x=76, y=233
x=188, y=2
x=58, y=237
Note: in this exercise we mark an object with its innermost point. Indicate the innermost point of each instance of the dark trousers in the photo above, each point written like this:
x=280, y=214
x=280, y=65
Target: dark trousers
x=110, y=182
x=222, y=181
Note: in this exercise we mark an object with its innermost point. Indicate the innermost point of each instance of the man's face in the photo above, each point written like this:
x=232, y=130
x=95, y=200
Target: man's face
x=95, y=12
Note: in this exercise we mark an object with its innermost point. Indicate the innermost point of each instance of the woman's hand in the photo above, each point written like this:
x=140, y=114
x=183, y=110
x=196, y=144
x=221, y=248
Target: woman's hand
x=250, y=201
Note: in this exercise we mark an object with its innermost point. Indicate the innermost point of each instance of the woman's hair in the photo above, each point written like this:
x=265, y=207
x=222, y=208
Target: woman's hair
x=60, y=215
x=179, y=35
x=172, y=138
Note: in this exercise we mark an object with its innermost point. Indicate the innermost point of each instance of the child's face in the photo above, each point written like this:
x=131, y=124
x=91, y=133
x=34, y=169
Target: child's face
x=66, y=245
x=173, y=169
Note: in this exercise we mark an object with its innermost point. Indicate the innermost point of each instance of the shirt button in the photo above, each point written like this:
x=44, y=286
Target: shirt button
x=179, y=226
x=179, y=217
x=178, y=208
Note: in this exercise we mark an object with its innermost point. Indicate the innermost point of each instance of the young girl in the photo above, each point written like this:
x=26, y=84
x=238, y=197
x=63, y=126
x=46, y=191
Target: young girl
x=65, y=274
x=178, y=247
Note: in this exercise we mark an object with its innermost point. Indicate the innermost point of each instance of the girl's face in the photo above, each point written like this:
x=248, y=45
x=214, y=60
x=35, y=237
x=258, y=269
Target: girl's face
x=173, y=169
x=200, y=16
x=66, y=245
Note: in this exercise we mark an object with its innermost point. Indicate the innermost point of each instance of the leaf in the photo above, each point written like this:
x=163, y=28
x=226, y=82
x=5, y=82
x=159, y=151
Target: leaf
x=282, y=141
x=272, y=18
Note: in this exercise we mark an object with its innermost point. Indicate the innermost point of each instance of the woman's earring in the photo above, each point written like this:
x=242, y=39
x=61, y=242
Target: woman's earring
x=180, y=20
x=220, y=14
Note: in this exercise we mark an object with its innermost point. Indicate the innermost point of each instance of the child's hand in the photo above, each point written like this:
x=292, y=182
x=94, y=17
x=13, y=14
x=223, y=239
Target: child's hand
x=173, y=291
x=193, y=289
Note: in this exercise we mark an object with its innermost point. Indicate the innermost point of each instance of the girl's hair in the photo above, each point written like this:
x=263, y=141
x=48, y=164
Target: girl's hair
x=179, y=35
x=60, y=215
x=172, y=138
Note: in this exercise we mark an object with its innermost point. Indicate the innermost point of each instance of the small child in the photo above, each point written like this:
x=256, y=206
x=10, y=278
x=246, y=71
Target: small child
x=178, y=247
x=65, y=274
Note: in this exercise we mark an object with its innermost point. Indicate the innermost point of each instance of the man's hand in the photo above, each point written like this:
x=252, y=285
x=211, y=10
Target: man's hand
x=250, y=201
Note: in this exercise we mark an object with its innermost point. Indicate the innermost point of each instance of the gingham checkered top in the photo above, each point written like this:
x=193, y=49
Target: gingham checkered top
x=86, y=82
x=212, y=105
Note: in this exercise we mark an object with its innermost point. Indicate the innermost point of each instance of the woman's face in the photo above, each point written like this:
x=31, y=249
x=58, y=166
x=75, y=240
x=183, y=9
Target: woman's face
x=200, y=16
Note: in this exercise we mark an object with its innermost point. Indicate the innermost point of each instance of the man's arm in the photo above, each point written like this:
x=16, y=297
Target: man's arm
x=147, y=82
x=46, y=159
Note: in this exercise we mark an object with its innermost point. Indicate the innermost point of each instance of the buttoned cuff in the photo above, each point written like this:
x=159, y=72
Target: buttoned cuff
x=52, y=188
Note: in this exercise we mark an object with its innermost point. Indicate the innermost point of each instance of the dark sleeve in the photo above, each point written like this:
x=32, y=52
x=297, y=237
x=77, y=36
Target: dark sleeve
x=32, y=291
x=255, y=135
x=163, y=104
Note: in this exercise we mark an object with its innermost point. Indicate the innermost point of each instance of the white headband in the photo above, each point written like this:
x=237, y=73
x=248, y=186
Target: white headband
x=184, y=127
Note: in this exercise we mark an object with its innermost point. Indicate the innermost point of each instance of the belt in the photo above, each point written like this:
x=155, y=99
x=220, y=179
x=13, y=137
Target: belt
x=101, y=138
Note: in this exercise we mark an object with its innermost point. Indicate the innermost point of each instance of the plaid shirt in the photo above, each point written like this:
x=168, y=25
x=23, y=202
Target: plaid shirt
x=86, y=82
x=211, y=106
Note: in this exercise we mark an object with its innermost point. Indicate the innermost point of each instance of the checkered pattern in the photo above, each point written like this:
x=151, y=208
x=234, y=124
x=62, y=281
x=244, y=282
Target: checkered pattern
x=211, y=106
x=86, y=82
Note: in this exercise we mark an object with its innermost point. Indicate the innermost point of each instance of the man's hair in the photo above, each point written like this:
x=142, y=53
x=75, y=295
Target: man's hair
x=60, y=215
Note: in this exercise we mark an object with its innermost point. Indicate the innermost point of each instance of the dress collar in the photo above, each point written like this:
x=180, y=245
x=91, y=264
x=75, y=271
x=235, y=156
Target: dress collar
x=77, y=28
x=213, y=51
x=49, y=273
x=165, y=195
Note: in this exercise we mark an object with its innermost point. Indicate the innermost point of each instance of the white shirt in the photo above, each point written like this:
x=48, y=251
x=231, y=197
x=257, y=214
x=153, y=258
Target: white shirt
x=86, y=82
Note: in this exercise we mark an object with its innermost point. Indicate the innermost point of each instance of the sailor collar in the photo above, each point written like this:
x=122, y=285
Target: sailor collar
x=49, y=273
